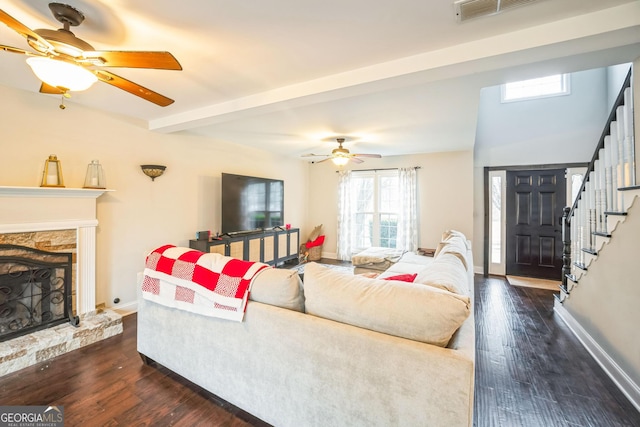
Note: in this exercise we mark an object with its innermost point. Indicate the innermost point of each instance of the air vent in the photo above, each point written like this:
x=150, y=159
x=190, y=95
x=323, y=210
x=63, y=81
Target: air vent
x=471, y=9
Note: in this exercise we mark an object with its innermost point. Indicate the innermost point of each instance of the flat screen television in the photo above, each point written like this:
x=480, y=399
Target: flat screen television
x=250, y=203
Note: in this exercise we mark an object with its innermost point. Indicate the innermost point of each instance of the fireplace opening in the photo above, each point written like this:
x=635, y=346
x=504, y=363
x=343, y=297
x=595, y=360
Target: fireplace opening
x=35, y=290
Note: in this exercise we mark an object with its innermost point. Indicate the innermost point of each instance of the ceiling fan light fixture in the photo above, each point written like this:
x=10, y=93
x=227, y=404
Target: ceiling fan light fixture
x=340, y=160
x=61, y=74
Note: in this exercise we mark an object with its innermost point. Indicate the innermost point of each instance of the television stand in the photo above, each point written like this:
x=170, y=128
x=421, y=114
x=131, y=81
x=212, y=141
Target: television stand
x=241, y=233
x=272, y=247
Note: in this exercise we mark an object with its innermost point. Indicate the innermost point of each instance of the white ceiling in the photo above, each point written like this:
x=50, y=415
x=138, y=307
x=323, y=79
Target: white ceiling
x=398, y=77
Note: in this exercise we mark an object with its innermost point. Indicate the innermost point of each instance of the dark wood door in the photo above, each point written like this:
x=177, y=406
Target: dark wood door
x=535, y=199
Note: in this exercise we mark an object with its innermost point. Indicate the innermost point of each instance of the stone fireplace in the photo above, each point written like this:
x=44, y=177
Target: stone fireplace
x=35, y=290
x=58, y=220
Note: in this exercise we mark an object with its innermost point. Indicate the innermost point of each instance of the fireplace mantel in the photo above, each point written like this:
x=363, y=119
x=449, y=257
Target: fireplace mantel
x=51, y=192
x=27, y=209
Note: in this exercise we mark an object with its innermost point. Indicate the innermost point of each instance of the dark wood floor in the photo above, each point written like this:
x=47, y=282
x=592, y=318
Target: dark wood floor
x=531, y=371
x=106, y=384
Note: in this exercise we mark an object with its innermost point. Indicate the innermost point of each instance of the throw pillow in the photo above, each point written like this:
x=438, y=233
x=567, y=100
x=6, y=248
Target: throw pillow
x=418, y=313
x=316, y=242
x=449, y=234
x=455, y=247
x=445, y=272
x=317, y=231
x=279, y=287
x=402, y=277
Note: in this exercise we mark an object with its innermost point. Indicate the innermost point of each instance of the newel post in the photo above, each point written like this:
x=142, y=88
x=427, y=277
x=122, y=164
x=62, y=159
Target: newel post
x=566, y=246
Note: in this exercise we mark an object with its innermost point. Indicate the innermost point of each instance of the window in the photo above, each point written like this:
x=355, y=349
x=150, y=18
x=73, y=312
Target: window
x=496, y=193
x=375, y=197
x=543, y=87
x=496, y=219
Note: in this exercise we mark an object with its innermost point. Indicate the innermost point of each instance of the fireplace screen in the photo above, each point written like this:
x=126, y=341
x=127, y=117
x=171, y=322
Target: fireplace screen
x=35, y=290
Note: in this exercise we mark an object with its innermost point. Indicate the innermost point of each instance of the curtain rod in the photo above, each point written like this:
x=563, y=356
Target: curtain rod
x=379, y=169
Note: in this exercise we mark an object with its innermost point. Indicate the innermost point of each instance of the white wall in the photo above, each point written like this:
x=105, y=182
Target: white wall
x=140, y=214
x=605, y=300
x=564, y=129
x=445, y=187
x=615, y=77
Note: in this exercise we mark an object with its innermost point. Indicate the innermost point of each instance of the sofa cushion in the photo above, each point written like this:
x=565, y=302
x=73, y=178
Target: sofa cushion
x=455, y=247
x=446, y=272
x=451, y=234
x=279, y=287
x=406, y=310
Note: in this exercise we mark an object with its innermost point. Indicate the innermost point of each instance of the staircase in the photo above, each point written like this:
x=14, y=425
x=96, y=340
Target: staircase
x=600, y=291
x=607, y=193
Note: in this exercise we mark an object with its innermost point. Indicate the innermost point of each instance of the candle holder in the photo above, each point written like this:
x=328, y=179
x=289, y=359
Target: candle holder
x=52, y=173
x=95, y=176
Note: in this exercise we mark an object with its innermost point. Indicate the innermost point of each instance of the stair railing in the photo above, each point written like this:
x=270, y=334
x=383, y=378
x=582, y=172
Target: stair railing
x=612, y=167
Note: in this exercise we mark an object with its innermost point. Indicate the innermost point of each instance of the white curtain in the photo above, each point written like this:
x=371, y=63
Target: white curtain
x=407, y=237
x=344, y=216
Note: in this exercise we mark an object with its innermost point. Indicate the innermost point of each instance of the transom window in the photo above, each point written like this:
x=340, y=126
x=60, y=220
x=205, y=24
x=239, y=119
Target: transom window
x=556, y=85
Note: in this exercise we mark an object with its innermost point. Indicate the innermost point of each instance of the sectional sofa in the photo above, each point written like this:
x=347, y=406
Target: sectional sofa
x=338, y=350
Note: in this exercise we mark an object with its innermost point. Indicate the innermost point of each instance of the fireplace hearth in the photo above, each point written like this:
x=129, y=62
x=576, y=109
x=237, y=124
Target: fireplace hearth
x=35, y=290
x=55, y=220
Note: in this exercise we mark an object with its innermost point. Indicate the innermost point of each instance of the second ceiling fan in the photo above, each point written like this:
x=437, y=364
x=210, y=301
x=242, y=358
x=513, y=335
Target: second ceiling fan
x=341, y=156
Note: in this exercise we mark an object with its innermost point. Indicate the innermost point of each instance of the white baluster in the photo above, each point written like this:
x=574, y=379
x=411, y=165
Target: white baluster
x=596, y=194
x=622, y=156
x=628, y=134
x=608, y=177
x=583, y=220
x=623, y=150
x=576, y=241
x=599, y=177
x=591, y=224
x=573, y=234
x=615, y=166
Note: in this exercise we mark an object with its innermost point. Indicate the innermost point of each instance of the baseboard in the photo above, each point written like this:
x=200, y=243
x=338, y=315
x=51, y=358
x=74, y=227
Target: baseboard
x=126, y=309
x=610, y=367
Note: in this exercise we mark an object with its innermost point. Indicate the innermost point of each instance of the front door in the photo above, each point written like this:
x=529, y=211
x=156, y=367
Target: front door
x=535, y=200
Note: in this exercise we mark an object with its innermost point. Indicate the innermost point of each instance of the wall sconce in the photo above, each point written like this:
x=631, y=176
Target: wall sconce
x=52, y=173
x=153, y=171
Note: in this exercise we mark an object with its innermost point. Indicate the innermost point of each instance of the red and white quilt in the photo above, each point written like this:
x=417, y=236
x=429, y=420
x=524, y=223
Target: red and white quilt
x=204, y=283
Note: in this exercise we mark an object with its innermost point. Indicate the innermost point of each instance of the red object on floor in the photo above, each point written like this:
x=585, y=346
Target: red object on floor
x=318, y=242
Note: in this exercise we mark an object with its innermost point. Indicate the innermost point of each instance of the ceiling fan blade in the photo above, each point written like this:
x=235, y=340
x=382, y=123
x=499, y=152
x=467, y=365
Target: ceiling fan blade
x=14, y=50
x=315, y=155
x=320, y=161
x=356, y=160
x=132, y=59
x=45, y=88
x=23, y=30
x=374, y=156
x=133, y=88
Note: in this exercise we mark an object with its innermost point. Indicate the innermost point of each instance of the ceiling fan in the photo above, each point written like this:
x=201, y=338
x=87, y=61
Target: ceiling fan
x=341, y=156
x=78, y=63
